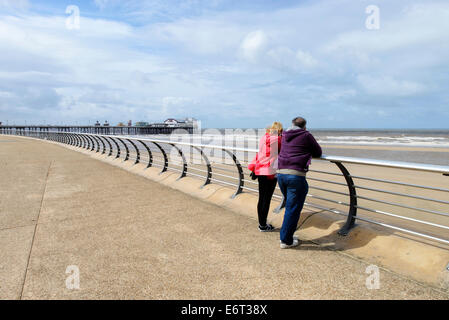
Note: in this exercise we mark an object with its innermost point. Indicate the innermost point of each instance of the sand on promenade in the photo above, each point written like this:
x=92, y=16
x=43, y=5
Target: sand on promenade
x=134, y=238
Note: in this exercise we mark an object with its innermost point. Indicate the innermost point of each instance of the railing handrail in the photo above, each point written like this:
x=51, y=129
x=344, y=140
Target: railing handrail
x=390, y=164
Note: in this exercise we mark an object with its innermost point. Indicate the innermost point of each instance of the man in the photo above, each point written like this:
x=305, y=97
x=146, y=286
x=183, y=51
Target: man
x=297, y=149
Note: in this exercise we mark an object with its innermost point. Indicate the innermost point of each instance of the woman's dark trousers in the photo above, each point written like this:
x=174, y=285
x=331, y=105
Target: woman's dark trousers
x=266, y=190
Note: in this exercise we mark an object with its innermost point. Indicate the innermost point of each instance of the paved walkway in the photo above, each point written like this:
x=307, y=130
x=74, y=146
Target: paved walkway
x=133, y=238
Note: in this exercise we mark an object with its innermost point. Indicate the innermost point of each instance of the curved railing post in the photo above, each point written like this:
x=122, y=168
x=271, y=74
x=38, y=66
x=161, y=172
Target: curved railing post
x=72, y=139
x=79, y=143
x=103, y=144
x=110, y=146
x=95, y=143
x=150, y=155
x=350, y=222
x=126, y=148
x=92, y=147
x=64, y=138
x=118, y=147
x=87, y=144
x=98, y=143
x=208, y=165
x=137, y=151
x=85, y=141
x=69, y=138
x=184, y=162
x=165, y=156
x=240, y=171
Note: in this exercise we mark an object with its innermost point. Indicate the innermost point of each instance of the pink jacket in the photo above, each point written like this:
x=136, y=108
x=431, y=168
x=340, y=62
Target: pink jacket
x=265, y=162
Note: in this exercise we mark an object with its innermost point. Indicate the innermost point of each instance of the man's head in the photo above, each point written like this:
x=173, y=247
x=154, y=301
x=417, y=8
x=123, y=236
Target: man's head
x=299, y=122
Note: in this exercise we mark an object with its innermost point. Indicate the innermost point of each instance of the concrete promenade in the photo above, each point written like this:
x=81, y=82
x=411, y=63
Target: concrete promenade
x=133, y=238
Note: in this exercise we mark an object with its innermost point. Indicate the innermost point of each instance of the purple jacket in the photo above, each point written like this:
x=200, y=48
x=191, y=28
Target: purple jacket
x=297, y=149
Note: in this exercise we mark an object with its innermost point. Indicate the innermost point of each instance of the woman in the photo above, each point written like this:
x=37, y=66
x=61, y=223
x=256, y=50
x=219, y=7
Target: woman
x=264, y=167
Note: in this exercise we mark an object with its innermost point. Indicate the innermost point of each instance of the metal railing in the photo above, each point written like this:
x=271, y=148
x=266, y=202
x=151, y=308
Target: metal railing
x=420, y=214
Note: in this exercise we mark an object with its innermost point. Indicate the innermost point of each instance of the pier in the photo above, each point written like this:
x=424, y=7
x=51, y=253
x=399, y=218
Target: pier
x=159, y=128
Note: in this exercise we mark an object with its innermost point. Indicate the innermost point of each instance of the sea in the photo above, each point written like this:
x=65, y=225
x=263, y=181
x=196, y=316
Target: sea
x=411, y=145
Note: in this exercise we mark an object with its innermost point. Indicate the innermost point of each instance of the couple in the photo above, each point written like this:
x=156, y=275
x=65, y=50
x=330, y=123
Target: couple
x=296, y=147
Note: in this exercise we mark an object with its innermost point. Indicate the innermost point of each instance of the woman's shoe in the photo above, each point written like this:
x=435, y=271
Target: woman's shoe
x=267, y=228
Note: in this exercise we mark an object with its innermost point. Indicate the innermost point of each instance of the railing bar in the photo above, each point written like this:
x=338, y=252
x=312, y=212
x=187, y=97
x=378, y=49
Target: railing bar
x=328, y=200
x=189, y=173
x=221, y=181
x=326, y=172
x=197, y=169
x=327, y=181
x=222, y=175
x=327, y=190
x=251, y=181
x=403, y=217
x=404, y=206
x=251, y=189
x=324, y=208
x=402, y=194
x=401, y=183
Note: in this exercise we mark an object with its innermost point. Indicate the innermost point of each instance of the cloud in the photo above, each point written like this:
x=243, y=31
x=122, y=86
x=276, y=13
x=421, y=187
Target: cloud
x=228, y=65
x=101, y=3
x=14, y=4
x=388, y=86
x=306, y=59
x=254, y=45
x=414, y=25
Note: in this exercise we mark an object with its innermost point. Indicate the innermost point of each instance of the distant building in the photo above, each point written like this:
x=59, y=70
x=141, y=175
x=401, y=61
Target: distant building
x=130, y=123
x=97, y=124
x=120, y=124
x=106, y=124
x=142, y=124
x=172, y=122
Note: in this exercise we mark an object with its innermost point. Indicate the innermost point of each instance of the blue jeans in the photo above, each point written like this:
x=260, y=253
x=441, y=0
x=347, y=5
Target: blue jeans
x=294, y=188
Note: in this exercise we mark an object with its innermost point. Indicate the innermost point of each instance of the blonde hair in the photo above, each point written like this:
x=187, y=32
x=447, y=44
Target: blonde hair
x=275, y=128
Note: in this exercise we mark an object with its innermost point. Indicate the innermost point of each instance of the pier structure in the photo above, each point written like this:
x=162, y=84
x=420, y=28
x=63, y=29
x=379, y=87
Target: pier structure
x=150, y=129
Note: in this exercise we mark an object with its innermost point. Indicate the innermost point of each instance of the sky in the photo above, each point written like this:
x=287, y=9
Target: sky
x=228, y=63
